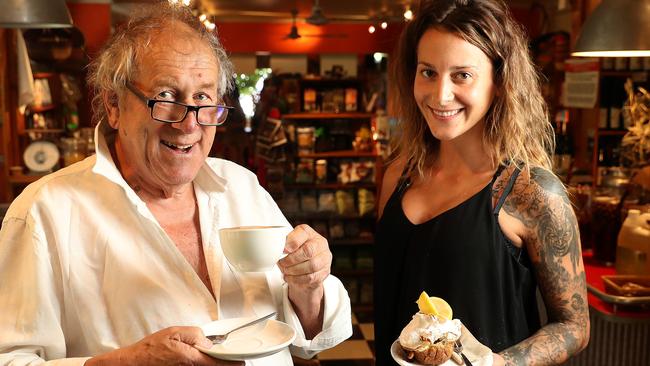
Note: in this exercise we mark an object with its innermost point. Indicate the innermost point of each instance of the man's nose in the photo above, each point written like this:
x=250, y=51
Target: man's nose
x=189, y=123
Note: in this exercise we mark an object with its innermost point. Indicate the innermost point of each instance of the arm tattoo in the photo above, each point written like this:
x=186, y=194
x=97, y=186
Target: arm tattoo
x=553, y=243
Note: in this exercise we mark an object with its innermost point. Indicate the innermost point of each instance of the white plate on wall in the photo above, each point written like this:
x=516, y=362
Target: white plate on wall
x=255, y=341
x=41, y=156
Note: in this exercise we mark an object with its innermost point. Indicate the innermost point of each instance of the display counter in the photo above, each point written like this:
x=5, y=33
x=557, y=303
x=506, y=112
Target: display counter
x=620, y=327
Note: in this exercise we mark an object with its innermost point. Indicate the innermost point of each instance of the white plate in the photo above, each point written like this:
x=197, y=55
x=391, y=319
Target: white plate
x=41, y=156
x=255, y=341
x=483, y=357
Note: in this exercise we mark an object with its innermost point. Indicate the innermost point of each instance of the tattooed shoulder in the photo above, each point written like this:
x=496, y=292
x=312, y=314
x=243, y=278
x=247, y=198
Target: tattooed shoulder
x=549, y=182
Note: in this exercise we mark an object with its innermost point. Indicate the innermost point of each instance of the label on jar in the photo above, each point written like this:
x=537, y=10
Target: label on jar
x=607, y=63
x=621, y=63
x=646, y=63
x=636, y=63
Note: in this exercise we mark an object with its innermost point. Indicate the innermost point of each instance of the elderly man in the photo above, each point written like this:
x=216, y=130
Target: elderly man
x=116, y=259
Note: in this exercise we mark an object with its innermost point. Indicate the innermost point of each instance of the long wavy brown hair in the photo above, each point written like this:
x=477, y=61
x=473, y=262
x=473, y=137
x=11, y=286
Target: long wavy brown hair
x=119, y=59
x=517, y=127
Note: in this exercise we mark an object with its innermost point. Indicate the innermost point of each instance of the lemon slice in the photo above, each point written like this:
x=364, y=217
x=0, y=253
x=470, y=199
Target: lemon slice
x=434, y=306
x=442, y=307
x=425, y=305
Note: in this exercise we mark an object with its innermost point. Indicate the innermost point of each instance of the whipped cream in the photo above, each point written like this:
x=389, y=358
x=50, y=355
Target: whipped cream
x=425, y=328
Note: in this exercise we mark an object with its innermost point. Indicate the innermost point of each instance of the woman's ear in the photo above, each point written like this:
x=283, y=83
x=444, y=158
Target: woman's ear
x=112, y=108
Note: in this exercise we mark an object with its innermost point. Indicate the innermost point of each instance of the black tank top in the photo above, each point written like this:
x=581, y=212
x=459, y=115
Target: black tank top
x=460, y=255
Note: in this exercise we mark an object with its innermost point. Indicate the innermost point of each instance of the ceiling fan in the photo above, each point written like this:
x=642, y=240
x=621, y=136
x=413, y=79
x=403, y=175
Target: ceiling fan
x=317, y=17
x=293, y=34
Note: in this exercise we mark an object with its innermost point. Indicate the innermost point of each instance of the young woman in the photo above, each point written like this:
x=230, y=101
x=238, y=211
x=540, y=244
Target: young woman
x=470, y=210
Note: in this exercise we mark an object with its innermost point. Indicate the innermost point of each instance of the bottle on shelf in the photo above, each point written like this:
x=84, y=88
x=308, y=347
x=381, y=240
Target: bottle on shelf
x=563, y=146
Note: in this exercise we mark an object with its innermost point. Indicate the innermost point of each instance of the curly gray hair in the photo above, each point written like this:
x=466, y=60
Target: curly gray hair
x=117, y=62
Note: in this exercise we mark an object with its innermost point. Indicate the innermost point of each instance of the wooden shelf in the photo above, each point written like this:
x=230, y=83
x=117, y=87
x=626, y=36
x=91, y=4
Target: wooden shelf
x=621, y=73
x=612, y=132
x=44, y=108
x=21, y=178
x=340, y=154
x=332, y=186
x=45, y=130
x=324, y=115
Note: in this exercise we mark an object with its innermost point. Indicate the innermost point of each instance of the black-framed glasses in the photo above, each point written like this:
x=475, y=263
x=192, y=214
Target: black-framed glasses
x=168, y=111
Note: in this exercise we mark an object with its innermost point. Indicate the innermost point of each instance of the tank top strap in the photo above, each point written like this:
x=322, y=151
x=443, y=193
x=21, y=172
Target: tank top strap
x=404, y=181
x=506, y=191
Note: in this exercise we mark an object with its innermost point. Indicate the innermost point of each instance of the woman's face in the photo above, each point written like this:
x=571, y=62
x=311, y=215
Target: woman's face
x=453, y=85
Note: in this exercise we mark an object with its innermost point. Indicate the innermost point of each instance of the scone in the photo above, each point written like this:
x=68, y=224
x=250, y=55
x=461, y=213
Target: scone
x=429, y=337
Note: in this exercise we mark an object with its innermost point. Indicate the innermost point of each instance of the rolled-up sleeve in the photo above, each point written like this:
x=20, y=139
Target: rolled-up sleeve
x=337, y=320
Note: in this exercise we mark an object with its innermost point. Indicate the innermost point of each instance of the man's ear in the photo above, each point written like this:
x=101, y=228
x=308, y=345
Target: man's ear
x=112, y=108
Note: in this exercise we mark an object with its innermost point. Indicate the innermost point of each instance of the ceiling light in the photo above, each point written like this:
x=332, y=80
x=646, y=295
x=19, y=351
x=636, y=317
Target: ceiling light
x=371, y=29
x=34, y=14
x=384, y=25
x=616, y=28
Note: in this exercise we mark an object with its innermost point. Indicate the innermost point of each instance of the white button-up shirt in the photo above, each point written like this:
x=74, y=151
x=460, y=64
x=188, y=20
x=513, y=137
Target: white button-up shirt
x=85, y=268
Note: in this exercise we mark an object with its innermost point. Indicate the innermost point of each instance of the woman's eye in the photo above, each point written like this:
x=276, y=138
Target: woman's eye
x=426, y=73
x=463, y=75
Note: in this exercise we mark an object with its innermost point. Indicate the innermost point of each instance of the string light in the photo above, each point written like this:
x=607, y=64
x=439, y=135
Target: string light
x=203, y=17
x=187, y=2
x=371, y=29
x=408, y=14
x=384, y=25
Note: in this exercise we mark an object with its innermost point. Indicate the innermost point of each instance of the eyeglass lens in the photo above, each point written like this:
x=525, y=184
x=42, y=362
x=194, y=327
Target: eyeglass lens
x=172, y=112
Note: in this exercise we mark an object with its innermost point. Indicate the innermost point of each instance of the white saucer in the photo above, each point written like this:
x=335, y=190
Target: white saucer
x=399, y=356
x=256, y=341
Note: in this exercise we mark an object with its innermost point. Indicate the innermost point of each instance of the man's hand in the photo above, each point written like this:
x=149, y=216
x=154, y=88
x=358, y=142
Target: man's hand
x=170, y=346
x=306, y=266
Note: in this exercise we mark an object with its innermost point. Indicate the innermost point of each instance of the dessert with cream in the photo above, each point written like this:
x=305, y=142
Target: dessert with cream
x=429, y=337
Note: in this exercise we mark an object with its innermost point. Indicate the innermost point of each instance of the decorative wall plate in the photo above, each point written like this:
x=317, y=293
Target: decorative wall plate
x=41, y=156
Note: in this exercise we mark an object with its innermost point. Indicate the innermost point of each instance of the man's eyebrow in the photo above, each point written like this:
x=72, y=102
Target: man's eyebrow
x=208, y=85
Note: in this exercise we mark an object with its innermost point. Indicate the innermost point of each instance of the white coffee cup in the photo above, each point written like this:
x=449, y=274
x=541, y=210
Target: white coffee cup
x=253, y=248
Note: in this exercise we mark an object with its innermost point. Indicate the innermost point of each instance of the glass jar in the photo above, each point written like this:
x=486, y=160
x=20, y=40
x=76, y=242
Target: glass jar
x=606, y=224
x=581, y=200
x=88, y=139
x=73, y=150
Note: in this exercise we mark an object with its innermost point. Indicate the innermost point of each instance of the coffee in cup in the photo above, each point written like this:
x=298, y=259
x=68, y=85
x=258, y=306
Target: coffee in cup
x=253, y=248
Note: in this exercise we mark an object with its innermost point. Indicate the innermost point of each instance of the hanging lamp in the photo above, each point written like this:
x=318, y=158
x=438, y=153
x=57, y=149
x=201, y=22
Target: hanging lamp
x=616, y=28
x=34, y=14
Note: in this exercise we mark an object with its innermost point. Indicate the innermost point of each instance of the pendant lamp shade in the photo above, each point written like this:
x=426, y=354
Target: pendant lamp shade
x=616, y=28
x=34, y=14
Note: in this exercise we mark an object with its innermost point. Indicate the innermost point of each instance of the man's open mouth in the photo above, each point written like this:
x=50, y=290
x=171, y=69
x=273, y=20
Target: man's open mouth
x=181, y=148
